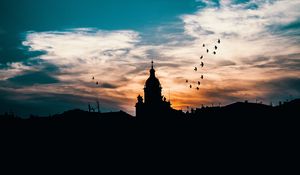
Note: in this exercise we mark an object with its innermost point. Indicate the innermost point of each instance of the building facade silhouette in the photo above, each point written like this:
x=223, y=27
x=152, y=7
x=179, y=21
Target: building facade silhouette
x=154, y=103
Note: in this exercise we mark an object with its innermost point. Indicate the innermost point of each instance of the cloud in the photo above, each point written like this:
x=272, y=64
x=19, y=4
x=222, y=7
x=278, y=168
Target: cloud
x=13, y=69
x=255, y=36
x=283, y=85
x=80, y=54
x=243, y=25
x=84, y=51
x=238, y=19
x=81, y=45
x=109, y=86
x=255, y=47
x=258, y=50
x=33, y=78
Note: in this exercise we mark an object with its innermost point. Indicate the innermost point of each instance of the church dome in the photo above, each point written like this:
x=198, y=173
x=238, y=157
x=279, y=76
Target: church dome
x=152, y=82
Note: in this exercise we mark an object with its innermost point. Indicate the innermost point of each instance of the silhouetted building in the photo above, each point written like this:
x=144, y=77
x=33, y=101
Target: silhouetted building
x=155, y=105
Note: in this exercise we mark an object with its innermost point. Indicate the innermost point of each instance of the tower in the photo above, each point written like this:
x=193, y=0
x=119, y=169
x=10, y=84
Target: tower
x=153, y=104
x=152, y=89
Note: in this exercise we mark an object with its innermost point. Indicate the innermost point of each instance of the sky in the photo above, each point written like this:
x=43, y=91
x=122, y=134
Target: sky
x=51, y=49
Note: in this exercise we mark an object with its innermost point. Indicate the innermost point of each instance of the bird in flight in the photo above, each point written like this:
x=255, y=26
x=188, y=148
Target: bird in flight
x=202, y=64
x=207, y=50
x=93, y=78
x=214, y=52
x=219, y=41
x=201, y=57
x=197, y=88
x=186, y=81
x=190, y=86
x=216, y=47
x=97, y=83
x=202, y=77
x=195, y=69
x=199, y=83
x=203, y=45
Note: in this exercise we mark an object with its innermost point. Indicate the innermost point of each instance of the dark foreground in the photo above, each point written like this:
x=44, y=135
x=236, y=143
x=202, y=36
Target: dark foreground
x=240, y=116
x=249, y=134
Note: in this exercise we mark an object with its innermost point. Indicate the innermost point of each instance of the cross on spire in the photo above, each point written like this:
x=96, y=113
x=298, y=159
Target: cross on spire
x=152, y=71
x=152, y=64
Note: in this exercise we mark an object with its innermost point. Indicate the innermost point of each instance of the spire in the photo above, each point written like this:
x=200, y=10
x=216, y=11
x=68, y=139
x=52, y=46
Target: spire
x=152, y=64
x=152, y=71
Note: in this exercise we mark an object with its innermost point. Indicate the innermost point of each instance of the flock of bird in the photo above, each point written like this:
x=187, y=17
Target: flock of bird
x=97, y=82
x=198, y=83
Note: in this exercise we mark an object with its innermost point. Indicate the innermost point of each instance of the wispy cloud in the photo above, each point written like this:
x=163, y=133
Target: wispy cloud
x=13, y=69
x=84, y=53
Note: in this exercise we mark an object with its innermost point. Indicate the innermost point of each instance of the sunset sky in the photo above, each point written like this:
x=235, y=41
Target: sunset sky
x=51, y=49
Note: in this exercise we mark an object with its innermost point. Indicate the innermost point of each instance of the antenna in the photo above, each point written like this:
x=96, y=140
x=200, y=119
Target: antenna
x=98, y=106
